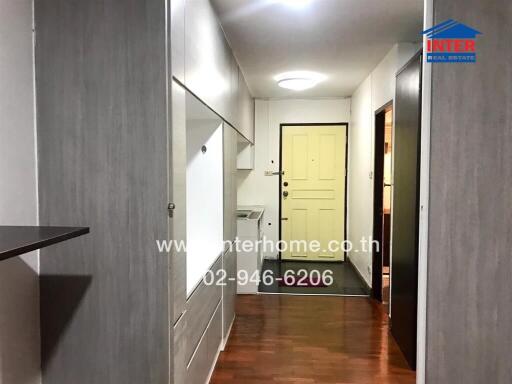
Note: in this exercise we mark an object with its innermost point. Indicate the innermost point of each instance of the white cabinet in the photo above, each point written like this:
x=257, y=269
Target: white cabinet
x=249, y=260
x=208, y=58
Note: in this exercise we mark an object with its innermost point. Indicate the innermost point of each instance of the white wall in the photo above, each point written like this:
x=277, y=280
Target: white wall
x=256, y=188
x=19, y=285
x=204, y=198
x=373, y=93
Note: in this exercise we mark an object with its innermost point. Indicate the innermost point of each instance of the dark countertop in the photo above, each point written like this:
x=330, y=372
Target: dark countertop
x=16, y=240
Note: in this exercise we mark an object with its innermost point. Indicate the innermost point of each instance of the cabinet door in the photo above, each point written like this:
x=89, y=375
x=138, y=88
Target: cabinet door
x=207, y=57
x=177, y=195
x=245, y=110
x=230, y=196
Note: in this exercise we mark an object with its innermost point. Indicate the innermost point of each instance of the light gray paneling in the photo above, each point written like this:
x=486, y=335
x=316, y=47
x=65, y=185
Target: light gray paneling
x=102, y=148
x=200, y=307
x=192, y=360
x=207, y=57
x=245, y=110
x=230, y=180
x=177, y=189
x=228, y=291
x=178, y=39
x=180, y=347
x=19, y=289
x=203, y=360
x=469, y=309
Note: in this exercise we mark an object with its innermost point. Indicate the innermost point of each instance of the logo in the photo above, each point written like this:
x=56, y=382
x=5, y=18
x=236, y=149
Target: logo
x=451, y=42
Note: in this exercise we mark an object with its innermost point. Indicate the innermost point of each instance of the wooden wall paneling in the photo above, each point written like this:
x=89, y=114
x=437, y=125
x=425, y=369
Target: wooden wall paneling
x=102, y=157
x=469, y=305
x=177, y=191
x=178, y=39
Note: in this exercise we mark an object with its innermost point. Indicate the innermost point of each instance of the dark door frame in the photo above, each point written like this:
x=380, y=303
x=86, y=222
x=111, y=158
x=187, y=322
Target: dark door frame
x=378, y=194
x=281, y=126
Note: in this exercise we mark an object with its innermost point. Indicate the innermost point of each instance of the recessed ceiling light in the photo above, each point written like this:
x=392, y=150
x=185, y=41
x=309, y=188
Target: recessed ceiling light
x=299, y=80
x=294, y=3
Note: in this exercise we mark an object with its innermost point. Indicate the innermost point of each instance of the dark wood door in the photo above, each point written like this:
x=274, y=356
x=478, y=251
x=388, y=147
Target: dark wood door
x=404, y=290
x=378, y=205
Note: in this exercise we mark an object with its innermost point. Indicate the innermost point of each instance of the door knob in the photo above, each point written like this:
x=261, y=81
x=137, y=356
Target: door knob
x=285, y=193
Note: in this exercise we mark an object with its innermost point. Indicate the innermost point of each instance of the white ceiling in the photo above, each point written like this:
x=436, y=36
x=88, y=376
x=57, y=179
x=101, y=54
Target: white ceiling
x=343, y=39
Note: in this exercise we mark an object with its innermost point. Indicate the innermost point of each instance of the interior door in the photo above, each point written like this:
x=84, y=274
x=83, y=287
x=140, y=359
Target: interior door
x=404, y=284
x=313, y=162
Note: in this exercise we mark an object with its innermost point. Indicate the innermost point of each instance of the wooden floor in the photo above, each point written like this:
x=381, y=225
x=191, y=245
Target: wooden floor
x=310, y=339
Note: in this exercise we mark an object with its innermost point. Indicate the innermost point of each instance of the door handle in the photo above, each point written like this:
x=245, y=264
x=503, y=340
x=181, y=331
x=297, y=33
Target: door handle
x=284, y=218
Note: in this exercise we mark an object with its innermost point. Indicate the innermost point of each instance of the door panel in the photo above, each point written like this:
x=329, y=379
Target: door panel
x=404, y=289
x=313, y=189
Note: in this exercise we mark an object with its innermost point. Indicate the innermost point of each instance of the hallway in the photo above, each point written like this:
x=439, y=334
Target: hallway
x=306, y=339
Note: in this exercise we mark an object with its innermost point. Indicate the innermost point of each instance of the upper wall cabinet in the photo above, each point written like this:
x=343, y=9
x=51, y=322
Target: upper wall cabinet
x=245, y=110
x=207, y=57
x=202, y=60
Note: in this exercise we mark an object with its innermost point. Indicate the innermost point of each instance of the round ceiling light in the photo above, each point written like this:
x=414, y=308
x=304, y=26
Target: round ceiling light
x=294, y=3
x=299, y=80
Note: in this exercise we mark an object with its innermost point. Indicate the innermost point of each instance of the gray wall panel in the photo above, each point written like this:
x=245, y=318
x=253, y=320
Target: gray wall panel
x=230, y=182
x=229, y=292
x=469, y=309
x=178, y=227
x=102, y=148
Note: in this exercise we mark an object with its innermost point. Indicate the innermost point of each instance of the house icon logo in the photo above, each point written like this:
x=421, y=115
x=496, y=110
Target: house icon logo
x=451, y=42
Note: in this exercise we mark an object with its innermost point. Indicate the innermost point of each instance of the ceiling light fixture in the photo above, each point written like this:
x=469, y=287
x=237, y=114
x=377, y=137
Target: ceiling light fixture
x=299, y=80
x=294, y=3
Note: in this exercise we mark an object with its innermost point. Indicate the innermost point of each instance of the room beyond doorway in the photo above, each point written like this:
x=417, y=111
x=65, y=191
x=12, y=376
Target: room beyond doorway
x=383, y=185
x=312, y=190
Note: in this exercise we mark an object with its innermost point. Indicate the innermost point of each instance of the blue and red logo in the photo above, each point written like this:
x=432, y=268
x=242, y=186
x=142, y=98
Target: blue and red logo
x=451, y=42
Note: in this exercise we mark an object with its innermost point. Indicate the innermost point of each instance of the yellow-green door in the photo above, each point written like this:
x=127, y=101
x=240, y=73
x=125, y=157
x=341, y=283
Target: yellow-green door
x=313, y=191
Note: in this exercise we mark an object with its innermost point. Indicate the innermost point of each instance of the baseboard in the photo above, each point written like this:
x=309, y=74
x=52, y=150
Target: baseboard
x=222, y=346
x=225, y=340
x=367, y=288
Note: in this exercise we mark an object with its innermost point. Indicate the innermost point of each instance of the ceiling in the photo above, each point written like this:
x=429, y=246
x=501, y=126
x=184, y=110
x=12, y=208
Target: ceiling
x=342, y=39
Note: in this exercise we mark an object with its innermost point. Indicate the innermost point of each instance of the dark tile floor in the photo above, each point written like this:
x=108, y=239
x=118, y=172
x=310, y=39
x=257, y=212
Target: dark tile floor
x=345, y=279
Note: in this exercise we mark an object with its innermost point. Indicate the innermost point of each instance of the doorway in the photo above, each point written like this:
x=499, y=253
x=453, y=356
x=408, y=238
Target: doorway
x=312, y=192
x=383, y=184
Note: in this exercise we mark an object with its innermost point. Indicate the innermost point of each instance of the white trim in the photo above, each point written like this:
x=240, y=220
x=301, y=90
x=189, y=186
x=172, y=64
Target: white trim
x=228, y=334
x=212, y=369
x=36, y=160
x=426, y=104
